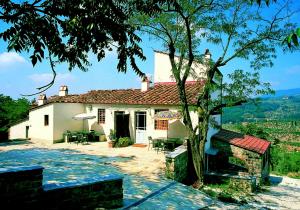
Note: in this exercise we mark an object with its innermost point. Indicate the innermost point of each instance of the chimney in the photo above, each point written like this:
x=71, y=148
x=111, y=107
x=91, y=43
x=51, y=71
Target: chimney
x=63, y=90
x=145, y=84
x=207, y=54
x=42, y=99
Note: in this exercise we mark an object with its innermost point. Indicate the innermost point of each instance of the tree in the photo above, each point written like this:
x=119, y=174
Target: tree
x=292, y=38
x=66, y=31
x=12, y=111
x=240, y=29
x=70, y=29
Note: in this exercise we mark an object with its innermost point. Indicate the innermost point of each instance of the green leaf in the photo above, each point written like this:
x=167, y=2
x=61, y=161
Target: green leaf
x=295, y=39
x=298, y=32
x=33, y=59
x=289, y=38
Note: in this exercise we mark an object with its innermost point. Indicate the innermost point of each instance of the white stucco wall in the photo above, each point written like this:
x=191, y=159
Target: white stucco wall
x=18, y=131
x=37, y=129
x=63, y=113
x=60, y=120
x=215, y=120
x=162, y=69
x=177, y=128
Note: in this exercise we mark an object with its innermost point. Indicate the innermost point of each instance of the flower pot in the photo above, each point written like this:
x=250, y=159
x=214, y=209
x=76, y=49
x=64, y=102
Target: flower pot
x=111, y=144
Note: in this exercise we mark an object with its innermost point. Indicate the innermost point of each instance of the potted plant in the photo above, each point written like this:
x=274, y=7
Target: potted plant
x=112, y=138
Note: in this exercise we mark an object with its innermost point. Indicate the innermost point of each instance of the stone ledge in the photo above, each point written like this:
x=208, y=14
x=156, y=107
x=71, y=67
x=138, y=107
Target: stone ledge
x=18, y=169
x=82, y=183
x=178, y=151
x=230, y=175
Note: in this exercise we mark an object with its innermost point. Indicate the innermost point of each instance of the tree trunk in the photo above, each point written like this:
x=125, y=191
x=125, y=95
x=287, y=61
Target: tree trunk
x=197, y=146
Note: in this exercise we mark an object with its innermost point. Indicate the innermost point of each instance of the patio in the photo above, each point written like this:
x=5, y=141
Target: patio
x=142, y=170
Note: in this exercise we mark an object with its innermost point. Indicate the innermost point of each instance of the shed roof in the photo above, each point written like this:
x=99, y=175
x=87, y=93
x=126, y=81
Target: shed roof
x=243, y=141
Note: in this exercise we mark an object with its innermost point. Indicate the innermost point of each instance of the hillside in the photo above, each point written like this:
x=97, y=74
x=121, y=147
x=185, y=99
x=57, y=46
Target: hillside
x=282, y=93
x=282, y=108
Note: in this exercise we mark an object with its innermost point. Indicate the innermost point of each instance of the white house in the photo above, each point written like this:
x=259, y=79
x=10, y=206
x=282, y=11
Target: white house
x=130, y=112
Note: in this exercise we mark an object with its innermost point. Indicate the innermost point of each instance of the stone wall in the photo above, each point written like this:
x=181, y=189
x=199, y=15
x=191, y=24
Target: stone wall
x=253, y=160
x=22, y=188
x=177, y=164
x=240, y=183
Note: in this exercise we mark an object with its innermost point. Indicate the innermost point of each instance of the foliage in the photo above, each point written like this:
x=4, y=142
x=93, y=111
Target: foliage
x=274, y=109
x=123, y=142
x=285, y=150
x=237, y=161
x=254, y=130
x=112, y=135
x=12, y=111
x=285, y=162
x=68, y=30
x=239, y=30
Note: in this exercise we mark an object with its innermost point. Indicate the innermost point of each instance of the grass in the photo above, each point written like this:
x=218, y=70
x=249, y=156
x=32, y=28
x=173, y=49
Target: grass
x=223, y=192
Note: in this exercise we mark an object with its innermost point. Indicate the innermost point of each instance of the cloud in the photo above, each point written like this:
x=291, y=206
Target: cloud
x=293, y=70
x=61, y=78
x=11, y=60
x=275, y=83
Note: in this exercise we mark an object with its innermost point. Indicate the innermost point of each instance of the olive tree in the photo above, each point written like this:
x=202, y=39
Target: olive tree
x=239, y=30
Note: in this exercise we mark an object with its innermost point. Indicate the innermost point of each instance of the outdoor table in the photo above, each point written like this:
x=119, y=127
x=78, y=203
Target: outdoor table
x=165, y=143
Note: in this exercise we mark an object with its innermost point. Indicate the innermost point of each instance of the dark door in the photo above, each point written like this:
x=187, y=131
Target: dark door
x=27, y=130
x=122, y=124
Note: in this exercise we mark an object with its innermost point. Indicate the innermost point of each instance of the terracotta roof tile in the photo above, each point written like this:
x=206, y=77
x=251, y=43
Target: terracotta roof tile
x=160, y=94
x=244, y=141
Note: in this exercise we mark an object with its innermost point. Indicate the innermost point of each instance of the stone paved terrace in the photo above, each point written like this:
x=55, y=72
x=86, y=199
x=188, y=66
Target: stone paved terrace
x=65, y=164
x=143, y=175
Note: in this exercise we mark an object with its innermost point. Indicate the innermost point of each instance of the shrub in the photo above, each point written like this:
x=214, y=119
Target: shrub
x=254, y=130
x=112, y=135
x=123, y=142
x=284, y=162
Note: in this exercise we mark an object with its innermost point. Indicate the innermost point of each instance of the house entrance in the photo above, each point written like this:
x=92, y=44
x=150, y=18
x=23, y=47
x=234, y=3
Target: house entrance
x=26, y=132
x=122, y=124
x=140, y=128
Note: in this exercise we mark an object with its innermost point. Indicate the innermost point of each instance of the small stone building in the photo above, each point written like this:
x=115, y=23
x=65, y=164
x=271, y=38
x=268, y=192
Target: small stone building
x=250, y=154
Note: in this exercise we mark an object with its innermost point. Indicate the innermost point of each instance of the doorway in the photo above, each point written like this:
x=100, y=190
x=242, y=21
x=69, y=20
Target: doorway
x=141, y=128
x=121, y=124
x=26, y=132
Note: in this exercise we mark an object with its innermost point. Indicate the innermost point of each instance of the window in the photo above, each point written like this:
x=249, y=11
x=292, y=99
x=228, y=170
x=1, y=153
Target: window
x=140, y=120
x=46, y=120
x=101, y=116
x=160, y=124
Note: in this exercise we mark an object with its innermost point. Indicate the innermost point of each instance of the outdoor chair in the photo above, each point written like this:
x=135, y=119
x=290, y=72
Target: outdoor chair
x=84, y=139
x=78, y=138
x=159, y=145
x=68, y=134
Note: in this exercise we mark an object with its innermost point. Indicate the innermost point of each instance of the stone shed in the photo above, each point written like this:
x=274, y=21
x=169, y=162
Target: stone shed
x=241, y=154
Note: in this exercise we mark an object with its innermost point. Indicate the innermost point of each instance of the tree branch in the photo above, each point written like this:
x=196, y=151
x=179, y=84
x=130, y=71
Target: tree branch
x=50, y=84
x=218, y=107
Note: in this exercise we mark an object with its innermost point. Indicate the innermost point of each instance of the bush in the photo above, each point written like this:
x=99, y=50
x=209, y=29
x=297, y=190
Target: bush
x=112, y=135
x=254, y=130
x=123, y=142
x=284, y=162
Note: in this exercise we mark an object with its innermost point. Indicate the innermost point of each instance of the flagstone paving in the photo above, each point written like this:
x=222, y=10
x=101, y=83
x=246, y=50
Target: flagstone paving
x=64, y=165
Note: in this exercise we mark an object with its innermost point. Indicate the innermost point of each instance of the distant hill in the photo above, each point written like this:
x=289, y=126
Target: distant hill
x=288, y=92
x=283, y=106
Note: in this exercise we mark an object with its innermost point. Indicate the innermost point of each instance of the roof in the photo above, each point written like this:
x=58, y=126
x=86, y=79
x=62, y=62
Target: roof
x=243, y=141
x=159, y=94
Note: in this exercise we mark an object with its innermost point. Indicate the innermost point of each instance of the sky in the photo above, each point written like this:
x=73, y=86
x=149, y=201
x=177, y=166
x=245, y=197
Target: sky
x=17, y=76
